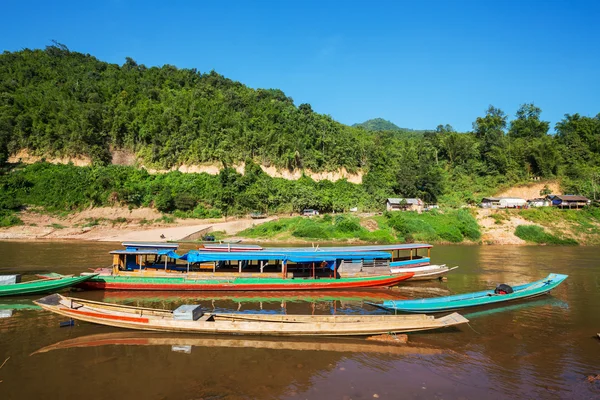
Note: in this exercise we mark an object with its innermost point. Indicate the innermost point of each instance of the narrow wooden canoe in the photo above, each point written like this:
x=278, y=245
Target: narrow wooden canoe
x=43, y=285
x=133, y=338
x=246, y=324
x=456, y=302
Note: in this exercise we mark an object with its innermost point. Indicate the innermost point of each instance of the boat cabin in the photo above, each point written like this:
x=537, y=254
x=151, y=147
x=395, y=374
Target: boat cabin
x=244, y=263
x=144, y=255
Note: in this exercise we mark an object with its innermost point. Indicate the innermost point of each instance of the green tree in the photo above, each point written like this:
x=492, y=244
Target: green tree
x=528, y=124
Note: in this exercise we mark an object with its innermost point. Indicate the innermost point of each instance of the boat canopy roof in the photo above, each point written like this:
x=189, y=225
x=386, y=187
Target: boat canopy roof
x=146, y=245
x=231, y=246
x=294, y=256
x=144, y=252
x=355, y=249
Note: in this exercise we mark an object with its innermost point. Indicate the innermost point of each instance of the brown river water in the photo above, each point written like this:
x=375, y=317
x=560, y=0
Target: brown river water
x=539, y=348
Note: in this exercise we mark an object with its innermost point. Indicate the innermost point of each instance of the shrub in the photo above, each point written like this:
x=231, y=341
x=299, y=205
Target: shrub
x=536, y=234
x=9, y=220
x=184, y=202
x=164, y=201
x=347, y=224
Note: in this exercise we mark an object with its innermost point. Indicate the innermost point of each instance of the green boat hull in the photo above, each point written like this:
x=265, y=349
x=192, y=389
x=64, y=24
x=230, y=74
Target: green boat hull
x=42, y=285
x=110, y=282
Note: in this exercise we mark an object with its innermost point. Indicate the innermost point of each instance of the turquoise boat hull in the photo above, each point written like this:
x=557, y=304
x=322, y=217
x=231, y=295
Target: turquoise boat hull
x=486, y=297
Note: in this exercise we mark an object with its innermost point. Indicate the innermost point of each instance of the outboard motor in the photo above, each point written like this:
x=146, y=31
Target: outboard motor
x=503, y=289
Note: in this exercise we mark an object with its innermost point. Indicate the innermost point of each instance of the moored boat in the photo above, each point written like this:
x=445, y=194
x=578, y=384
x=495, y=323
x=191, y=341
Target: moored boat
x=405, y=258
x=44, y=285
x=486, y=297
x=148, y=267
x=188, y=319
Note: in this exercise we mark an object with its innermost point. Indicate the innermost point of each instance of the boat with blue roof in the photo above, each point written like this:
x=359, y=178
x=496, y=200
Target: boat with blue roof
x=158, y=266
x=405, y=258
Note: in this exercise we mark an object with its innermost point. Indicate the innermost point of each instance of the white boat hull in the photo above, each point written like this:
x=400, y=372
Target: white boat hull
x=425, y=272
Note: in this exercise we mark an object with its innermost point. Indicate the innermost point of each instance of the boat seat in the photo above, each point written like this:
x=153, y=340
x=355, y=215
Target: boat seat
x=76, y=306
x=205, y=317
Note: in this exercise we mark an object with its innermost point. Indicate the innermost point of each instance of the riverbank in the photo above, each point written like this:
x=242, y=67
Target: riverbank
x=120, y=224
x=467, y=226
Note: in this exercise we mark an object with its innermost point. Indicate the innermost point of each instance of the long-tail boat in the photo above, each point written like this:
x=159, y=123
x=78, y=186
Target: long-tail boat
x=159, y=267
x=188, y=318
x=486, y=297
x=405, y=258
x=44, y=285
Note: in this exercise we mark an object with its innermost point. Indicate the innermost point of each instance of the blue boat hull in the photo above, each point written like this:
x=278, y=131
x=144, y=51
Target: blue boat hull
x=486, y=297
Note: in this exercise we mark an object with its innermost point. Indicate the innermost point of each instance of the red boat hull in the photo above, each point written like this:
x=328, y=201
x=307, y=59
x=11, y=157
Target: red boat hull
x=313, y=284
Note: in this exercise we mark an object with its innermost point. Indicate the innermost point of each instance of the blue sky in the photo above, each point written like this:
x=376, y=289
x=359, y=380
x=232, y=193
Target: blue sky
x=415, y=63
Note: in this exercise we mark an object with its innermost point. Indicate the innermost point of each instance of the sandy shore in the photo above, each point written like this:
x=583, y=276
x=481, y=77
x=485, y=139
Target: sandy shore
x=118, y=224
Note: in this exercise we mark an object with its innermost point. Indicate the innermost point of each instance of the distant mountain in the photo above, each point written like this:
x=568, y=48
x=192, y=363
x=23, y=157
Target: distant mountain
x=379, y=124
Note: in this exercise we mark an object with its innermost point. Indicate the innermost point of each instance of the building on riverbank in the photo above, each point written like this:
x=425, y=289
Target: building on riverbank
x=404, y=204
x=503, y=202
x=538, y=202
x=569, y=201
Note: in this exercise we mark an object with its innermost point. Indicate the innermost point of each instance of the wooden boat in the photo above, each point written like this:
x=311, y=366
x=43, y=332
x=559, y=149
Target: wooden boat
x=245, y=324
x=44, y=285
x=153, y=267
x=486, y=297
x=128, y=338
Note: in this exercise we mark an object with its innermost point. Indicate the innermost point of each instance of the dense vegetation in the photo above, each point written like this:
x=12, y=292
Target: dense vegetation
x=453, y=226
x=67, y=187
x=56, y=102
x=378, y=124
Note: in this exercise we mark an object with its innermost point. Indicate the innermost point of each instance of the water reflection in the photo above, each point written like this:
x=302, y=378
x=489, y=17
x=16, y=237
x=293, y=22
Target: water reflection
x=338, y=345
x=540, y=348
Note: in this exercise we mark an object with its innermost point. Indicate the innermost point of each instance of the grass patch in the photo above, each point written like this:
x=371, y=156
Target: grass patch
x=452, y=226
x=327, y=227
x=120, y=220
x=91, y=222
x=500, y=218
x=56, y=226
x=165, y=219
x=537, y=234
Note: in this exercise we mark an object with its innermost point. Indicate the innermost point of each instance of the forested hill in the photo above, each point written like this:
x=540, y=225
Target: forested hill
x=57, y=102
x=60, y=102
x=378, y=124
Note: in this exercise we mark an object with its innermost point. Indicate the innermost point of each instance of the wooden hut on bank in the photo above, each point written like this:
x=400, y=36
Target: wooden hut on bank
x=569, y=201
x=404, y=204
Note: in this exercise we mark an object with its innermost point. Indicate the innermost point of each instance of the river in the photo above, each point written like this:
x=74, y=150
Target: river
x=539, y=348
